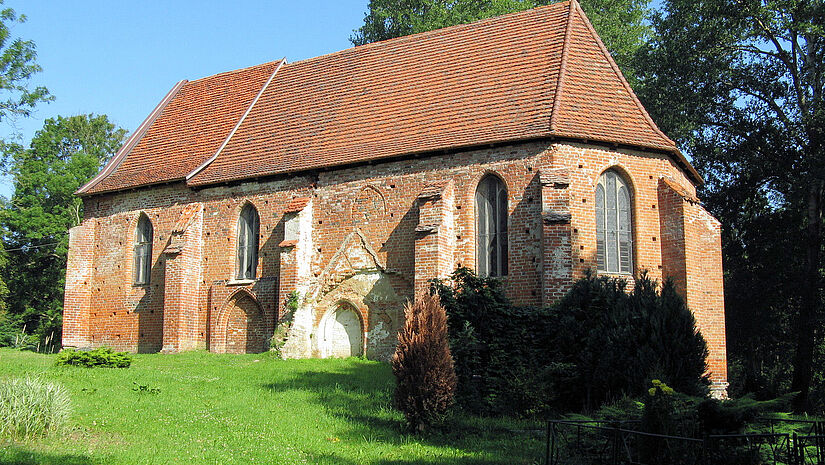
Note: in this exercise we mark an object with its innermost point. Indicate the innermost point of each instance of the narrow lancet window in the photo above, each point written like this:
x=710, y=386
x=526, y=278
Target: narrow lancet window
x=614, y=234
x=491, y=227
x=248, y=226
x=143, y=251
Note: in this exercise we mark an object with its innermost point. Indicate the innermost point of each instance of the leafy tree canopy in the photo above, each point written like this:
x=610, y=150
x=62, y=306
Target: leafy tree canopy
x=739, y=83
x=62, y=156
x=620, y=23
x=17, y=66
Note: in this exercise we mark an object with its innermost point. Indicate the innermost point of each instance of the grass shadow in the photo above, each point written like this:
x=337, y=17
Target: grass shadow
x=361, y=394
x=323, y=459
x=13, y=454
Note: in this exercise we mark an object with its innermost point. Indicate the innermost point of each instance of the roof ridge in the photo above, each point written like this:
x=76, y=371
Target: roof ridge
x=238, y=124
x=239, y=70
x=621, y=77
x=134, y=138
x=562, y=65
x=418, y=35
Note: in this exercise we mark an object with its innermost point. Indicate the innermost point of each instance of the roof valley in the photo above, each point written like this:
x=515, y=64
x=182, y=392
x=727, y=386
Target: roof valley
x=238, y=124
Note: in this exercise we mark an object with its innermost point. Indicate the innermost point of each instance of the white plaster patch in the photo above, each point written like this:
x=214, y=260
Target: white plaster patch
x=378, y=334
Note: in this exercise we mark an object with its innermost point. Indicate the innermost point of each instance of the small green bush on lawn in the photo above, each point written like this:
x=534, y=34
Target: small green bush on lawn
x=31, y=407
x=100, y=357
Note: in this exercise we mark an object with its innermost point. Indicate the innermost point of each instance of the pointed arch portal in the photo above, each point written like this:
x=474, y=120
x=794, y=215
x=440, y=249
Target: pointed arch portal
x=342, y=333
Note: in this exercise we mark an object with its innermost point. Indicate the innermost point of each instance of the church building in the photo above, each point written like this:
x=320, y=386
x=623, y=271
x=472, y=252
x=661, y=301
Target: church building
x=512, y=146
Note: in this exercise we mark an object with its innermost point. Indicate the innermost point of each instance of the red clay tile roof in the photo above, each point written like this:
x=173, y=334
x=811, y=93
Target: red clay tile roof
x=533, y=74
x=195, y=121
x=680, y=190
x=593, y=99
x=186, y=216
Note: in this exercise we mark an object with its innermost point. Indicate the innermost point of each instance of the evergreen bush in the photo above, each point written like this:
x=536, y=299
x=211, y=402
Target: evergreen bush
x=500, y=350
x=422, y=364
x=102, y=357
x=617, y=341
x=597, y=345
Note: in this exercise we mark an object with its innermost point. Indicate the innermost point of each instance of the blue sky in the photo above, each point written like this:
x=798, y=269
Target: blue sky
x=120, y=58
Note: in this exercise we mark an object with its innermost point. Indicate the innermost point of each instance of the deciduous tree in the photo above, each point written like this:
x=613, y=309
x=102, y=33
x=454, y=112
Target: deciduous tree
x=17, y=66
x=739, y=83
x=62, y=156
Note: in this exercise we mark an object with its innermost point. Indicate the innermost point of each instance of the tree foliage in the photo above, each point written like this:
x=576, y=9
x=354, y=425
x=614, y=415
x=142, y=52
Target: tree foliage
x=740, y=83
x=63, y=155
x=17, y=66
x=620, y=23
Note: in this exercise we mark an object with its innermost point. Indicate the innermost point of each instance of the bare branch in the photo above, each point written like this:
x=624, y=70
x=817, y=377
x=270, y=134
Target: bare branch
x=784, y=57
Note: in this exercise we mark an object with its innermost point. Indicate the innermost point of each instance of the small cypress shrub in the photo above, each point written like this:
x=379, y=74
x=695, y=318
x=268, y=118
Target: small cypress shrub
x=31, y=407
x=102, y=357
x=422, y=364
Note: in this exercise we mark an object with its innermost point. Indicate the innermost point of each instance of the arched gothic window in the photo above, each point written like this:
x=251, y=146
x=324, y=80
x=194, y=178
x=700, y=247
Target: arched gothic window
x=491, y=227
x=143, y=250
x=248, y=226
x=614, y=226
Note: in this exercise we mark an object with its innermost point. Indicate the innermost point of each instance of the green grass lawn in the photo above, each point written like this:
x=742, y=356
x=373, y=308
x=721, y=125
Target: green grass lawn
x=202, y=408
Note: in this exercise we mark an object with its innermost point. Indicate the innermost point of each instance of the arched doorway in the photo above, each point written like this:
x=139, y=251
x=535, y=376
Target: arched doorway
x=342, y=333
x=244, y=327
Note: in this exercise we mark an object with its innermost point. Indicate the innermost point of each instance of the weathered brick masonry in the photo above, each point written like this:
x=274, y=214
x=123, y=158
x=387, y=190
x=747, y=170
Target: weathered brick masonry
x=358, y=238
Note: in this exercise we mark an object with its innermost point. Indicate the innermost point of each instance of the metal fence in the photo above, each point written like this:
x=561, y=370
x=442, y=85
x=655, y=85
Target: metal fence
x=600, y=442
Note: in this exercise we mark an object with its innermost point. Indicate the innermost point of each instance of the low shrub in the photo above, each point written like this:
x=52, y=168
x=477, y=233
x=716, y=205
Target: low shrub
x=31, y=407
x=103, y=357
x=422, y=364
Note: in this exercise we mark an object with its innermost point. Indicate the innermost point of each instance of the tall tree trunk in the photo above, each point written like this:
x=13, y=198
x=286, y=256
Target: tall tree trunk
x=803, y=359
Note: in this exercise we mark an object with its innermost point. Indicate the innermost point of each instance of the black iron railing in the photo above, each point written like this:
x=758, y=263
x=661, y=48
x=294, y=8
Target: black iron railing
x=586, y=442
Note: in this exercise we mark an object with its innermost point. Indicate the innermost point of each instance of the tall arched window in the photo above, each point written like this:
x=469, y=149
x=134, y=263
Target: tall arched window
x=491, y=227
x=247, y=243
x=143, y=250
x=614, y=226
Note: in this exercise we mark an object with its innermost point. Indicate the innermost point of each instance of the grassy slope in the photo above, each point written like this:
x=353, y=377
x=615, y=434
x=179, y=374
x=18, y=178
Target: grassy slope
x=249, y=409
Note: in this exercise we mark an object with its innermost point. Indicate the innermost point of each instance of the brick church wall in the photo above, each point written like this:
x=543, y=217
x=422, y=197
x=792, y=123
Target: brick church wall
x=414, y=220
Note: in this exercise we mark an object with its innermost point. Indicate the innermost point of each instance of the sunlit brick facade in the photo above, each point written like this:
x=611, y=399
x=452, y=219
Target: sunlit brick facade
x=356, y=239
